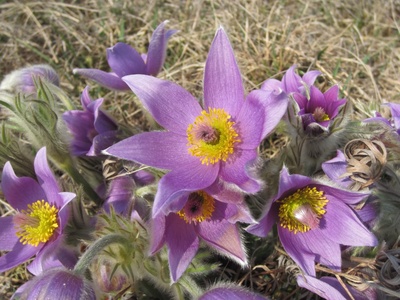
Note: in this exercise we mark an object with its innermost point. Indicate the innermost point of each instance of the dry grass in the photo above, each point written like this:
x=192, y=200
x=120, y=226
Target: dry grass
x=355, y=43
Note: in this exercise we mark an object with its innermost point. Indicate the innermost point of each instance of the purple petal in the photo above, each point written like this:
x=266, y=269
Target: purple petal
x=18, y=255
x=317, y=99
x=248, y=122
x=108, y=80
x=234, y=170
x=46, y=178
x=297, y=251
x=368, y=294
x=339, y=220
x=291, y=81
x=157, y=233
x=54, y=254
x=231, y=293
x=101, y=142
x=63, y=212
x=85, y=98
x=124, y=60
x=326, y=252
x=157, y=49
x=275, y=106
x=172, y=106
x=223, y=236
x=20, y=192
x=182, y=243
x=223, y=87
x=319, y=287
x=8, y=238
x=102, y=121
x=164, y=150
x=310, y=76
x=395, y=111
x=335, y=168
x=120, y=194
x=267, y=220
x=300, y=100
x=178, y=182
x=272, y=85
x=338, y=195
x=292, y=183
x=222, y=192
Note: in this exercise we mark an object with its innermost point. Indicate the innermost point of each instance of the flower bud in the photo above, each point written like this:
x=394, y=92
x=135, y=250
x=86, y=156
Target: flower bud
x=22, y=80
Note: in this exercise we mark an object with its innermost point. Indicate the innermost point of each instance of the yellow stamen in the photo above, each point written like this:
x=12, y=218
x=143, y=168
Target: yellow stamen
x=212, y=137
x=36, y=224
x=306, y=200
x=199, y=207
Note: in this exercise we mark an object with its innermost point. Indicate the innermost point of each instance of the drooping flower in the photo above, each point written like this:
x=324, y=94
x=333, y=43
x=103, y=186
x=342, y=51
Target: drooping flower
x=314, y=220
x=92, y=129
x=37, y=227
x=56, y=283
x=125, y=60
x=201, y=144
x=22, y=80
x=201, y=216
x=331, y=289
x=223, y=292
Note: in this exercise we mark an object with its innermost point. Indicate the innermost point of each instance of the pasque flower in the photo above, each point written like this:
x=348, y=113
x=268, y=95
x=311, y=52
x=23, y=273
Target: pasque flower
x=57, y=283
x=292, y=82
x=394, y=121
x=22, y=80
x=36, y=228
x=201, y=216
x=313, y=221
x=125, y=60
x=331, y=289
x=219, y=139
x=92, y=129
x=223, y=292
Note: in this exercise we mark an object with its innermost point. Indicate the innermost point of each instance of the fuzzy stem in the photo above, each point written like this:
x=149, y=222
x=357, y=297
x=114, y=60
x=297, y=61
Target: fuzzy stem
x=68, y=167
x=98, y=246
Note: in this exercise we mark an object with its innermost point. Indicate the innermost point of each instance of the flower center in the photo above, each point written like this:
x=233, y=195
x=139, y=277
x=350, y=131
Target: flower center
x=320, y=115
x=211, y=136
x=36, y=224
x=302, y=210
x=199, y=207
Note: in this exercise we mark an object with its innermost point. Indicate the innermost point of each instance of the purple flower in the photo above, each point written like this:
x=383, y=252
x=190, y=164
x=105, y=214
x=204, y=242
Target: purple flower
x=56, y=283
x=319, y=109
x=121, y=195
x=41, y=216
x=22, y=80
x=125, y=60
x=201, y=215
x=313, y=221
x=231, y=293
x=330, y=288
x=202, y=144
x=394, y=121
x=292, y=82
x=92, y=129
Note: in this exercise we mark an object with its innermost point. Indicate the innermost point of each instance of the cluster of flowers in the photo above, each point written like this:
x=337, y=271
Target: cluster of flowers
x=204, y=164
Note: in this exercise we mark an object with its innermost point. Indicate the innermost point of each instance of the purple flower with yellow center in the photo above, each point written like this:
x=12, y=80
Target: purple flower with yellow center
x=36, y=228
x=203, y=217
x=318, y=109
x=125, y=60
x=314, y=220
x=200, y=145
x=92, y=129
